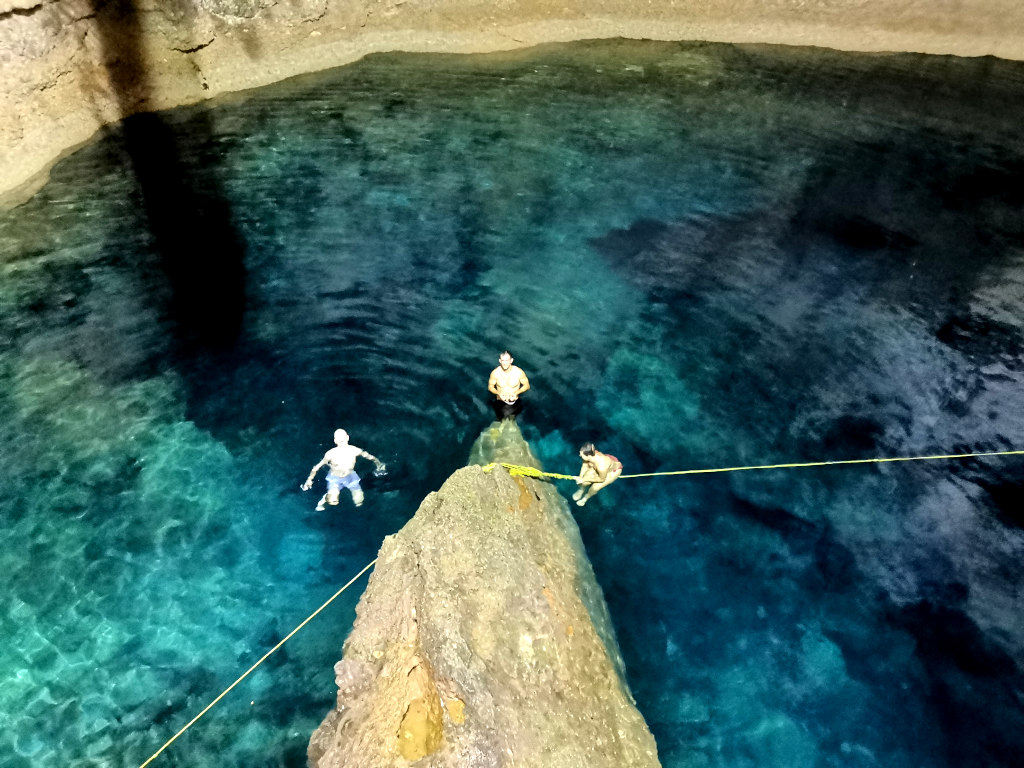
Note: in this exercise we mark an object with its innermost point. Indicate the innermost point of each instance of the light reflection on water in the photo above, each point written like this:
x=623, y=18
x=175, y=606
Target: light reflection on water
x=702, y=255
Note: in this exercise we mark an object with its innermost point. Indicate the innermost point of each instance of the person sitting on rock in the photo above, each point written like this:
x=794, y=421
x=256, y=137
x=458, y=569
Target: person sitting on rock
x=599, y=470
x=342, y=462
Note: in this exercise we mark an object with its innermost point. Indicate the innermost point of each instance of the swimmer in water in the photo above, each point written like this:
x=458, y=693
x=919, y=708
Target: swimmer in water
x=342, y=462
x=507, y=382
x=599, y=470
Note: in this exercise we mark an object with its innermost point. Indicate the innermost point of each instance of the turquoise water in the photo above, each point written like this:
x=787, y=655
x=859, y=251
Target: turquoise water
x=702, y=255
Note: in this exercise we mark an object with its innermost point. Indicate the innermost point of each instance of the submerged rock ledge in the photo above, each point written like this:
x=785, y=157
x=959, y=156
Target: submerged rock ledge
x=71, y=66
x=483, y=638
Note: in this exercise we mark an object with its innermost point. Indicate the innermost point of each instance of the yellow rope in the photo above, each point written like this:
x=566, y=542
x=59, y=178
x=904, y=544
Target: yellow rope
x=517, y=471
x=826, y=463
x=533, y=472
x=248, y=671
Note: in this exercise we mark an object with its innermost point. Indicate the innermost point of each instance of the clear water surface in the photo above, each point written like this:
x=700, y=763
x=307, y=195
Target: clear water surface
x=702, y=255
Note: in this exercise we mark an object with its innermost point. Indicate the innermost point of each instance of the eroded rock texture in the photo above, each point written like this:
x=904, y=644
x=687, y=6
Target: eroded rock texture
x=68, y=67
x=483, y=639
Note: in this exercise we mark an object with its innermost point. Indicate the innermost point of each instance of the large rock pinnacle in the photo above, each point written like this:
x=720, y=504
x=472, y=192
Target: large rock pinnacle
x=483, y=640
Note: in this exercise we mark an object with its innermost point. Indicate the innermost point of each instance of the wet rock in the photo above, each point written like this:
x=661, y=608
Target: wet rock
x=483, y=639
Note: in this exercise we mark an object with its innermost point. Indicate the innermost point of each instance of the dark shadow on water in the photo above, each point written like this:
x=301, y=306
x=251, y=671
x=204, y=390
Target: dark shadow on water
x=188, y=214
x=974, y=685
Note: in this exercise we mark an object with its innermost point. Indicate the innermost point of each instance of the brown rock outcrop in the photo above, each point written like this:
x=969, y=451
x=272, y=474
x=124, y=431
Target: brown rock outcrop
x=70, y=66
x=483, y=639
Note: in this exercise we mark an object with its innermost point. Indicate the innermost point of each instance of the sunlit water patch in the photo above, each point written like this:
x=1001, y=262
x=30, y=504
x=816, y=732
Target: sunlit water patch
x=702, y=256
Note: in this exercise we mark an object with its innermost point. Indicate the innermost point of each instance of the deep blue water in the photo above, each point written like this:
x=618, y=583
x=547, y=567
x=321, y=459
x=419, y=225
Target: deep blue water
x=702, y=255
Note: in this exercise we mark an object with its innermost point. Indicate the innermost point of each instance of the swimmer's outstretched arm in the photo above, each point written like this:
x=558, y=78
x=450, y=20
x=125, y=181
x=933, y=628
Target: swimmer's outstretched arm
x=312, y=473
x=371, y=457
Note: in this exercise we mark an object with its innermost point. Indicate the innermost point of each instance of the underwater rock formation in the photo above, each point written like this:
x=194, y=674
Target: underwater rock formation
x=71, y=66
x=483, y=638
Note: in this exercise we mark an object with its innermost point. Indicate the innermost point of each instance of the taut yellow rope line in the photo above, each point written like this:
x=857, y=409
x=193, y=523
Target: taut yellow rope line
x=827, y=463
x=265, y=657
x=533, y=472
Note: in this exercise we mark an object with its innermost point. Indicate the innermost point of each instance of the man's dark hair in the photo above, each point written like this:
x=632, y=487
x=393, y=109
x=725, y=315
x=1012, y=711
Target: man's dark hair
x=588, y=449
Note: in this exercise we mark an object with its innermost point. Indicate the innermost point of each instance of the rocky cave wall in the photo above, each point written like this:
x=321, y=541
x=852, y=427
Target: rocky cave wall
x=70, y=66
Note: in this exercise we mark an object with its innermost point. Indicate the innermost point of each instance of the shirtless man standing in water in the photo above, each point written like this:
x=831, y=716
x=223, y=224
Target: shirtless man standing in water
x=342, y=462
x=507, y=383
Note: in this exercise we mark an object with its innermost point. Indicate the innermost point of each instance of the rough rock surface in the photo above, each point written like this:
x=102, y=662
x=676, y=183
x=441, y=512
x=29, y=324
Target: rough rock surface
x=67, y=67
x=483, y=640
